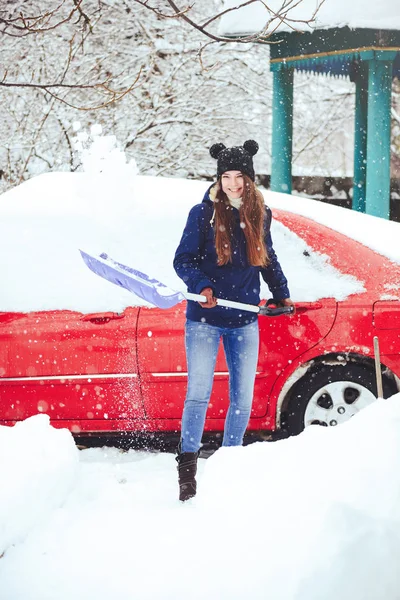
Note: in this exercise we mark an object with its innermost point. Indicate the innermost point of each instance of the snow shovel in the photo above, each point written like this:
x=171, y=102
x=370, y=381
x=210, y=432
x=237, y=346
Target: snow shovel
x=157, y=293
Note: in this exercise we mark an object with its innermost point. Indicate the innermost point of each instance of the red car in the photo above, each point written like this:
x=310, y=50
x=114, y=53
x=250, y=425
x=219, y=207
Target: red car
x=108, y=372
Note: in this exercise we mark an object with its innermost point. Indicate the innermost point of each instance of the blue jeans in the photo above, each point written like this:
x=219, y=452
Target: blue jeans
x=241, y=352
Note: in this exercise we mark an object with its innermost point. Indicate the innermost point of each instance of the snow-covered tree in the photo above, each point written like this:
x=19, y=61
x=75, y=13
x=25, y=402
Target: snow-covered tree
x=176, y=94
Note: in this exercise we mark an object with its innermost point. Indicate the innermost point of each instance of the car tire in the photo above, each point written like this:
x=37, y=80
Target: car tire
x=331, y=394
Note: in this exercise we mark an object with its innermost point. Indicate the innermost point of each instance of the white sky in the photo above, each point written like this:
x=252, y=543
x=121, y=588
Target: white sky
x=384, y=14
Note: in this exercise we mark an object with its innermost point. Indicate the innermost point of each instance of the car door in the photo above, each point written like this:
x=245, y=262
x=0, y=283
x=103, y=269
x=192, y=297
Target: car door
x=69, y=365
x=284, y=339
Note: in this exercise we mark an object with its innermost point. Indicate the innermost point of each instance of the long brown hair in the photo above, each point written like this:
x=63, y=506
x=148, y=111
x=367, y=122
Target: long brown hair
x=252, y=214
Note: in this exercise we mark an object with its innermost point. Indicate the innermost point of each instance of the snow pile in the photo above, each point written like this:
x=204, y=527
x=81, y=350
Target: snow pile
x=332, y=13
x=100, y=153
x=37, y=471
x=312, y=517
x=325, y=506
x=137, y=221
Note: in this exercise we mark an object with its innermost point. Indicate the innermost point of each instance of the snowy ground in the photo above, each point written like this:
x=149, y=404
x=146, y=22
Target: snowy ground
x=308, y=518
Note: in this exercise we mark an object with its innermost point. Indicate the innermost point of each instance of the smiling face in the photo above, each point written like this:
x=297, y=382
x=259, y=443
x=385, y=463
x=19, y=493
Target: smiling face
x=232, y=183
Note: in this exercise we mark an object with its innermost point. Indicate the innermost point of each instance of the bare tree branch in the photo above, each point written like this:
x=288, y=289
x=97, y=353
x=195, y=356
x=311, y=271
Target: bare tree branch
x=114, y=96
x=82, y=15
x=281, y=16
x=23, y=25
x=176, y=15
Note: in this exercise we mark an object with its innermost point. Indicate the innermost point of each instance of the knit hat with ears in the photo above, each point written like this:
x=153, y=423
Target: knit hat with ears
x=237, y=158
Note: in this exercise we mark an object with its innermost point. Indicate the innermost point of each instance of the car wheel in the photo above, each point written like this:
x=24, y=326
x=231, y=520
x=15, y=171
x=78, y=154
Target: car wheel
x=332, y=394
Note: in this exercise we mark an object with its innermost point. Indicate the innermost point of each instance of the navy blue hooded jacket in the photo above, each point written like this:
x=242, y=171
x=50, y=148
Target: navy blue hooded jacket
x=196, y=264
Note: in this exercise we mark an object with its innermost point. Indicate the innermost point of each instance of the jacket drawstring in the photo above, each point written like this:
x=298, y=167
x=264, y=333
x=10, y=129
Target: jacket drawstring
x=212, y=218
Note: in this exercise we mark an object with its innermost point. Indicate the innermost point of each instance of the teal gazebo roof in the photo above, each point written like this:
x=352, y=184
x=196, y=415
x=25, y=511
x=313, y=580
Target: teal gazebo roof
x=335, y=51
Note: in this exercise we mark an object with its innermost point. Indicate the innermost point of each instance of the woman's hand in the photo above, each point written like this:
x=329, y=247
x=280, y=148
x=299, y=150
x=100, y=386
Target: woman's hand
x=211, y=301
x=287, y=302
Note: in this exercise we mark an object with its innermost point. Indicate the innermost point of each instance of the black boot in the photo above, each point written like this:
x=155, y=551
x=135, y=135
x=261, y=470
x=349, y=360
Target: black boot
x=187, y=469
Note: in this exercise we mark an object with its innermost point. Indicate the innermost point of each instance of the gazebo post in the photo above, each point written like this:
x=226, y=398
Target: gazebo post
x=371, y=58
x=378, y=136
x=282, y=131
x=360, y=139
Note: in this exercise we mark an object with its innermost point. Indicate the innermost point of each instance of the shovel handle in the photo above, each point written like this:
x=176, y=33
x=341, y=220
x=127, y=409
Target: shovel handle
x=267, y=311
x=223, y=302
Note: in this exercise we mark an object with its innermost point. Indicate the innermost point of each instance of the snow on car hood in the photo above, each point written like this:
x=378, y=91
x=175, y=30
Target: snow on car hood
x=137, y=221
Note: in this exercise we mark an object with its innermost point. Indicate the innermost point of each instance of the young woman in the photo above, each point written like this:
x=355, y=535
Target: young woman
x=225, y=246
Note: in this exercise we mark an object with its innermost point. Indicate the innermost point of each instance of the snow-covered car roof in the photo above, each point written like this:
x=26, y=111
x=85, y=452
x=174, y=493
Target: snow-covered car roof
x=138, y=221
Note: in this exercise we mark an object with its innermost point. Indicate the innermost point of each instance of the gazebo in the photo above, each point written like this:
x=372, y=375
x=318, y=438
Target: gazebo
x=354, y=40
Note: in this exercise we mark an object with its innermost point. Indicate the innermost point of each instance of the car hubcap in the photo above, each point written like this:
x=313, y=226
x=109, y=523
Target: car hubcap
x=336, y=402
